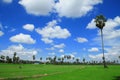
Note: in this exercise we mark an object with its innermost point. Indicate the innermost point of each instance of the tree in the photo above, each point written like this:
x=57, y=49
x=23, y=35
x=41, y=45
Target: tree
x=54, y=59
x=14, y=57
x=17, y=59
x=7, y=59
x=62, y=60
x=84, y=60
x=100, y=23
x=40, y=59
x=77, y=60
x=3, y=58
x=33, y=57
x=59, y=59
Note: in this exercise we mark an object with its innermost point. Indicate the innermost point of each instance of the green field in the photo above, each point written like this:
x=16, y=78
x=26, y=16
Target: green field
x=58, y=72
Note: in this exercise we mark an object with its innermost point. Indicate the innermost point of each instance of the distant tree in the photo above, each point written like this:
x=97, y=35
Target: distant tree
x=54, y=59
x=7, y=59
x=59, y=59
x=17, y=59
x=14, y=57
x=3, y=58
x=62, y=60
x=33, y=57
x=77, y=60
x=84, y=60
x=40, y=59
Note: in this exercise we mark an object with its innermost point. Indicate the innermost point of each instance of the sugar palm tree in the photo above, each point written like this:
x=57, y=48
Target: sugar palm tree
x=33, y=58
x=77, y=60
x=84, y=60
x=100, y=23
x=7, y=59
x=2, y=57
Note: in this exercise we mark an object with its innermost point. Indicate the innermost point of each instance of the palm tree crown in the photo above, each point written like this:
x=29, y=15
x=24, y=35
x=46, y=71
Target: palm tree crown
x=100, y=21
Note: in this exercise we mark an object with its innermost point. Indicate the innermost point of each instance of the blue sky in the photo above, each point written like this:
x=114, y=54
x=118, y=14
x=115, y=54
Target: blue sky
x=58, y=27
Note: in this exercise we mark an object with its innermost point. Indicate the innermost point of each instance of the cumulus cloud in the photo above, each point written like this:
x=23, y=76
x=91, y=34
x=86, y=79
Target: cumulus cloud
x=111, y=54
x=21, y=51
x=81, y=40
x=91, y=25
x=22, y=38
x=52, y=31
x=61, y=51
x=62, y=45
x=7, y=1
x=1, y=33
x=75, y=8
x=29, y=27
x=52, y=53
x=94, y=49
x=38, y=7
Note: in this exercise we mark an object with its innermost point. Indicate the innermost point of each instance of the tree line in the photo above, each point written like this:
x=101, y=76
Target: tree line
x=67, y=59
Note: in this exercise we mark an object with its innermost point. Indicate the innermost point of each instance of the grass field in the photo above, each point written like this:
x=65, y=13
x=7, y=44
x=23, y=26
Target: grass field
x=58, y=72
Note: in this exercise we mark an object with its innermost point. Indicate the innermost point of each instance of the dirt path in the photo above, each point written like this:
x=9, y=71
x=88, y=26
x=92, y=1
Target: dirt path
x=34, y=76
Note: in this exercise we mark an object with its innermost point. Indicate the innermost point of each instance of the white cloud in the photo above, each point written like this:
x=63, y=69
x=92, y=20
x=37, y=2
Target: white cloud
x=1, y=33
x=8, y=1
x=91, y=25
x=22, y=38
x=61, y=51
x=52, y=31
x=38, y=7
x=75, y=8
x=46, y=40
x=81, y=40
x=94, y=49
x=62, y=45
x=21, y=51
x=52, y=53
x=111, y=54
x=52, y=48
x=29, y=27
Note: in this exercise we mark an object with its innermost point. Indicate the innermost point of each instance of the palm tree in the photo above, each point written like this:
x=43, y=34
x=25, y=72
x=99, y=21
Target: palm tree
x=77, y=60
x=40, y=59
x=33, y=57
x=2, y=57
x=84, y=60
x=62, y=60
x=54, y=59
x=14, y=57
x=7, y=59
x=17, y=59
x=100, y=23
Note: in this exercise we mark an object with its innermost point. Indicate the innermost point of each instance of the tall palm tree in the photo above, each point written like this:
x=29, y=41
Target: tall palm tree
x=100, y=23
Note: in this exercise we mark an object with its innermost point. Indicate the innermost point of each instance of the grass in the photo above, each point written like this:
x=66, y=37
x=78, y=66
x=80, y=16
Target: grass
x=58, y=72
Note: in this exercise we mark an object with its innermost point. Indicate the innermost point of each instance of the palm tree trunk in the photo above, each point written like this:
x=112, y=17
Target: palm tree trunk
x=104, y=62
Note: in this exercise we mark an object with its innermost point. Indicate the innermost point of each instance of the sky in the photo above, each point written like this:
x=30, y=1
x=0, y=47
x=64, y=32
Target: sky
x=47, y=28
